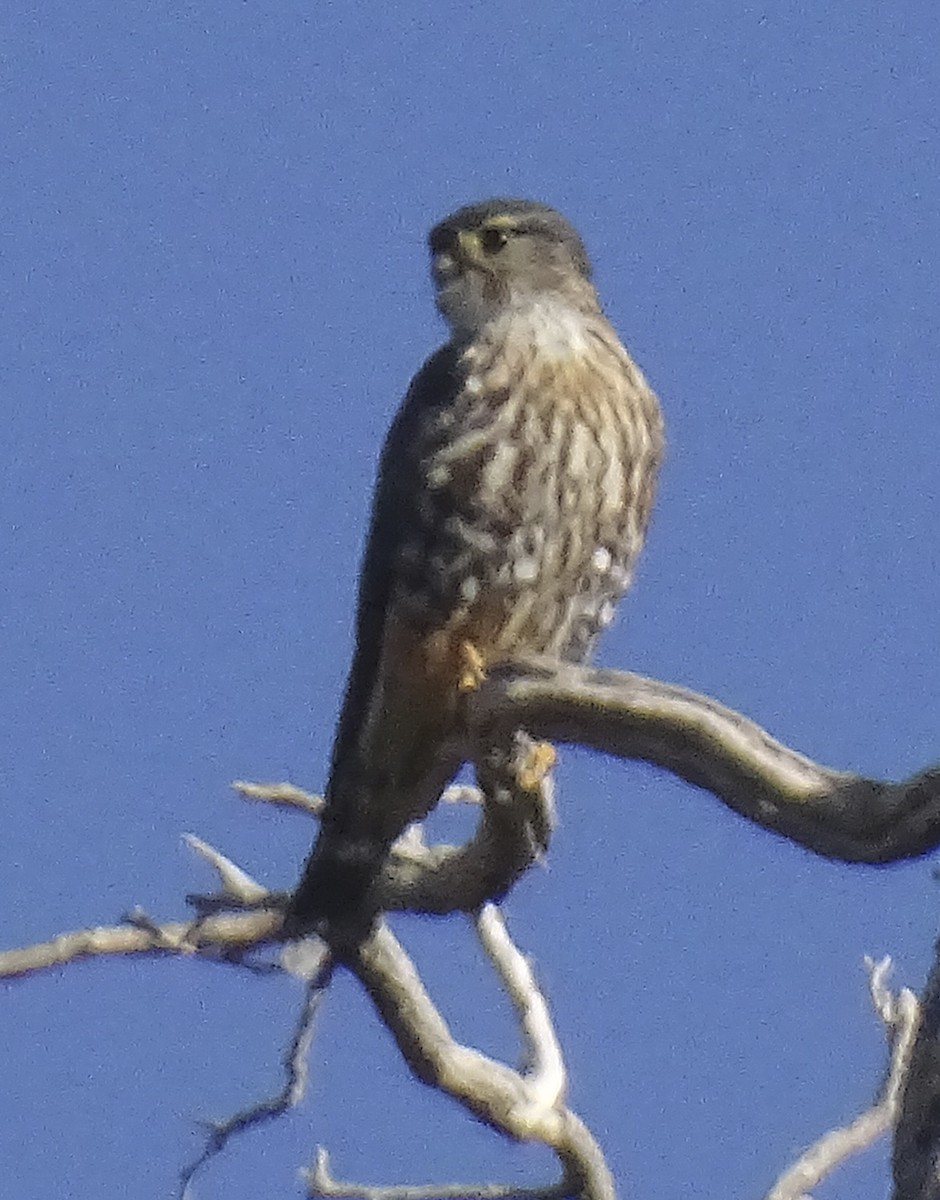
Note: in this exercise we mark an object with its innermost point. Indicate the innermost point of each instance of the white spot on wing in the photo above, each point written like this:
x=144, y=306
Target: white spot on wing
x=500, y=468
x=600, y=560
x=525, y=570
x=469, y=589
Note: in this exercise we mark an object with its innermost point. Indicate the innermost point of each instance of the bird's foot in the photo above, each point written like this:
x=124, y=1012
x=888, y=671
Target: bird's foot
x=470, y=674
x=539, y=759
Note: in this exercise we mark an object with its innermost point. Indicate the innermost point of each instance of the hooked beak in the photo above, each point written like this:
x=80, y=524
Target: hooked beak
x=452, y=262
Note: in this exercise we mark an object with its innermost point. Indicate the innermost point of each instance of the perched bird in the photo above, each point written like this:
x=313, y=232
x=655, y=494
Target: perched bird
x=512, y=499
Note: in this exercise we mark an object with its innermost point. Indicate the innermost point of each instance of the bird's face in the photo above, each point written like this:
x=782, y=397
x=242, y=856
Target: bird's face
x=503, y=253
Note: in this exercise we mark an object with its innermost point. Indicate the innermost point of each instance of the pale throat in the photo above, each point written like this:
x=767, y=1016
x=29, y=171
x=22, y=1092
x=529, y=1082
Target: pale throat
x=550, y=326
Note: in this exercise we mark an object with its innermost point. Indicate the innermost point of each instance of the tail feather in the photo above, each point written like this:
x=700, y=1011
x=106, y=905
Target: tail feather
x=363, y=814
x=335, y=883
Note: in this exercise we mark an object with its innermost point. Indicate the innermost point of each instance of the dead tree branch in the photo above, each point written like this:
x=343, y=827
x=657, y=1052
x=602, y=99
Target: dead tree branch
x=833, y=813
x=916, y=1158
x=231, y=933
x=295, y=1076
x=525, y=1107
x=900, y=1014
x=321, y=1182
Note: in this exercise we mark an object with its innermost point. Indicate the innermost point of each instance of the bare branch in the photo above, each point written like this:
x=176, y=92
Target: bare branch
x=321, y=1183
x=226, y=932
x=901, y=1015
x=516, y=817
x=236, y=884
x=461, y=793
x=491, y=1091
x=296, y=1074
x=916, y=1157
x=285, y=795
x=545, y=1078
x=834, y=813
x=440, y=878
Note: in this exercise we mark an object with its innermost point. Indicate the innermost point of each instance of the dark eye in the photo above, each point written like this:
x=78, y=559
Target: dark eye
x=492, y=240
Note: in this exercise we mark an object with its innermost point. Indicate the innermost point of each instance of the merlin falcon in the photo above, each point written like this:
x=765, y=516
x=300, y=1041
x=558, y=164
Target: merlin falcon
x=512, y=499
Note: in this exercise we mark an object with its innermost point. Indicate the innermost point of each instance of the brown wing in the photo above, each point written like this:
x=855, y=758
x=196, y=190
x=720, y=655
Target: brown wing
x=387, y=707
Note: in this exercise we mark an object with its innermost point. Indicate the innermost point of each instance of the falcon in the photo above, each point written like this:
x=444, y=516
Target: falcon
x=512, y=499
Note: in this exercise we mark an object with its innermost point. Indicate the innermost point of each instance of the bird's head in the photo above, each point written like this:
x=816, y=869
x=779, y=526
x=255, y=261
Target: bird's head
x=491, y=256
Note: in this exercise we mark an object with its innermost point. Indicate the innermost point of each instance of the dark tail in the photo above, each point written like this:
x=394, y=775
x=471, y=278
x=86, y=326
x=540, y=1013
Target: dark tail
x=335, y=883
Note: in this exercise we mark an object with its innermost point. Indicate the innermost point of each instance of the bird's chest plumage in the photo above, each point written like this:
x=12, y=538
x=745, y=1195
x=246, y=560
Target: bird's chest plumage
x=533, y=483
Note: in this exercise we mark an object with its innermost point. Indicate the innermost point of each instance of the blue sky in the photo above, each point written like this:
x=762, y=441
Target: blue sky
x=214, y=293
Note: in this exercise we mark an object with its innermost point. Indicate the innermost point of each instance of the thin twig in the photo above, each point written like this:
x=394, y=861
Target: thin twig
x=284, y=795
x=320, y=1182
x=901, y=1014
x=296, y=1074
x=236, y=884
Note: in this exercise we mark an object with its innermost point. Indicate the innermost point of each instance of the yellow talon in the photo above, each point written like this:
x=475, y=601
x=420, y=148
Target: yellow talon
x=471, y=673
x=539, y=760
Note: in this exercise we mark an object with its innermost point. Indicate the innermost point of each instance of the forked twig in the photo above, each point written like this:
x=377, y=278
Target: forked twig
x=900, y=1013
